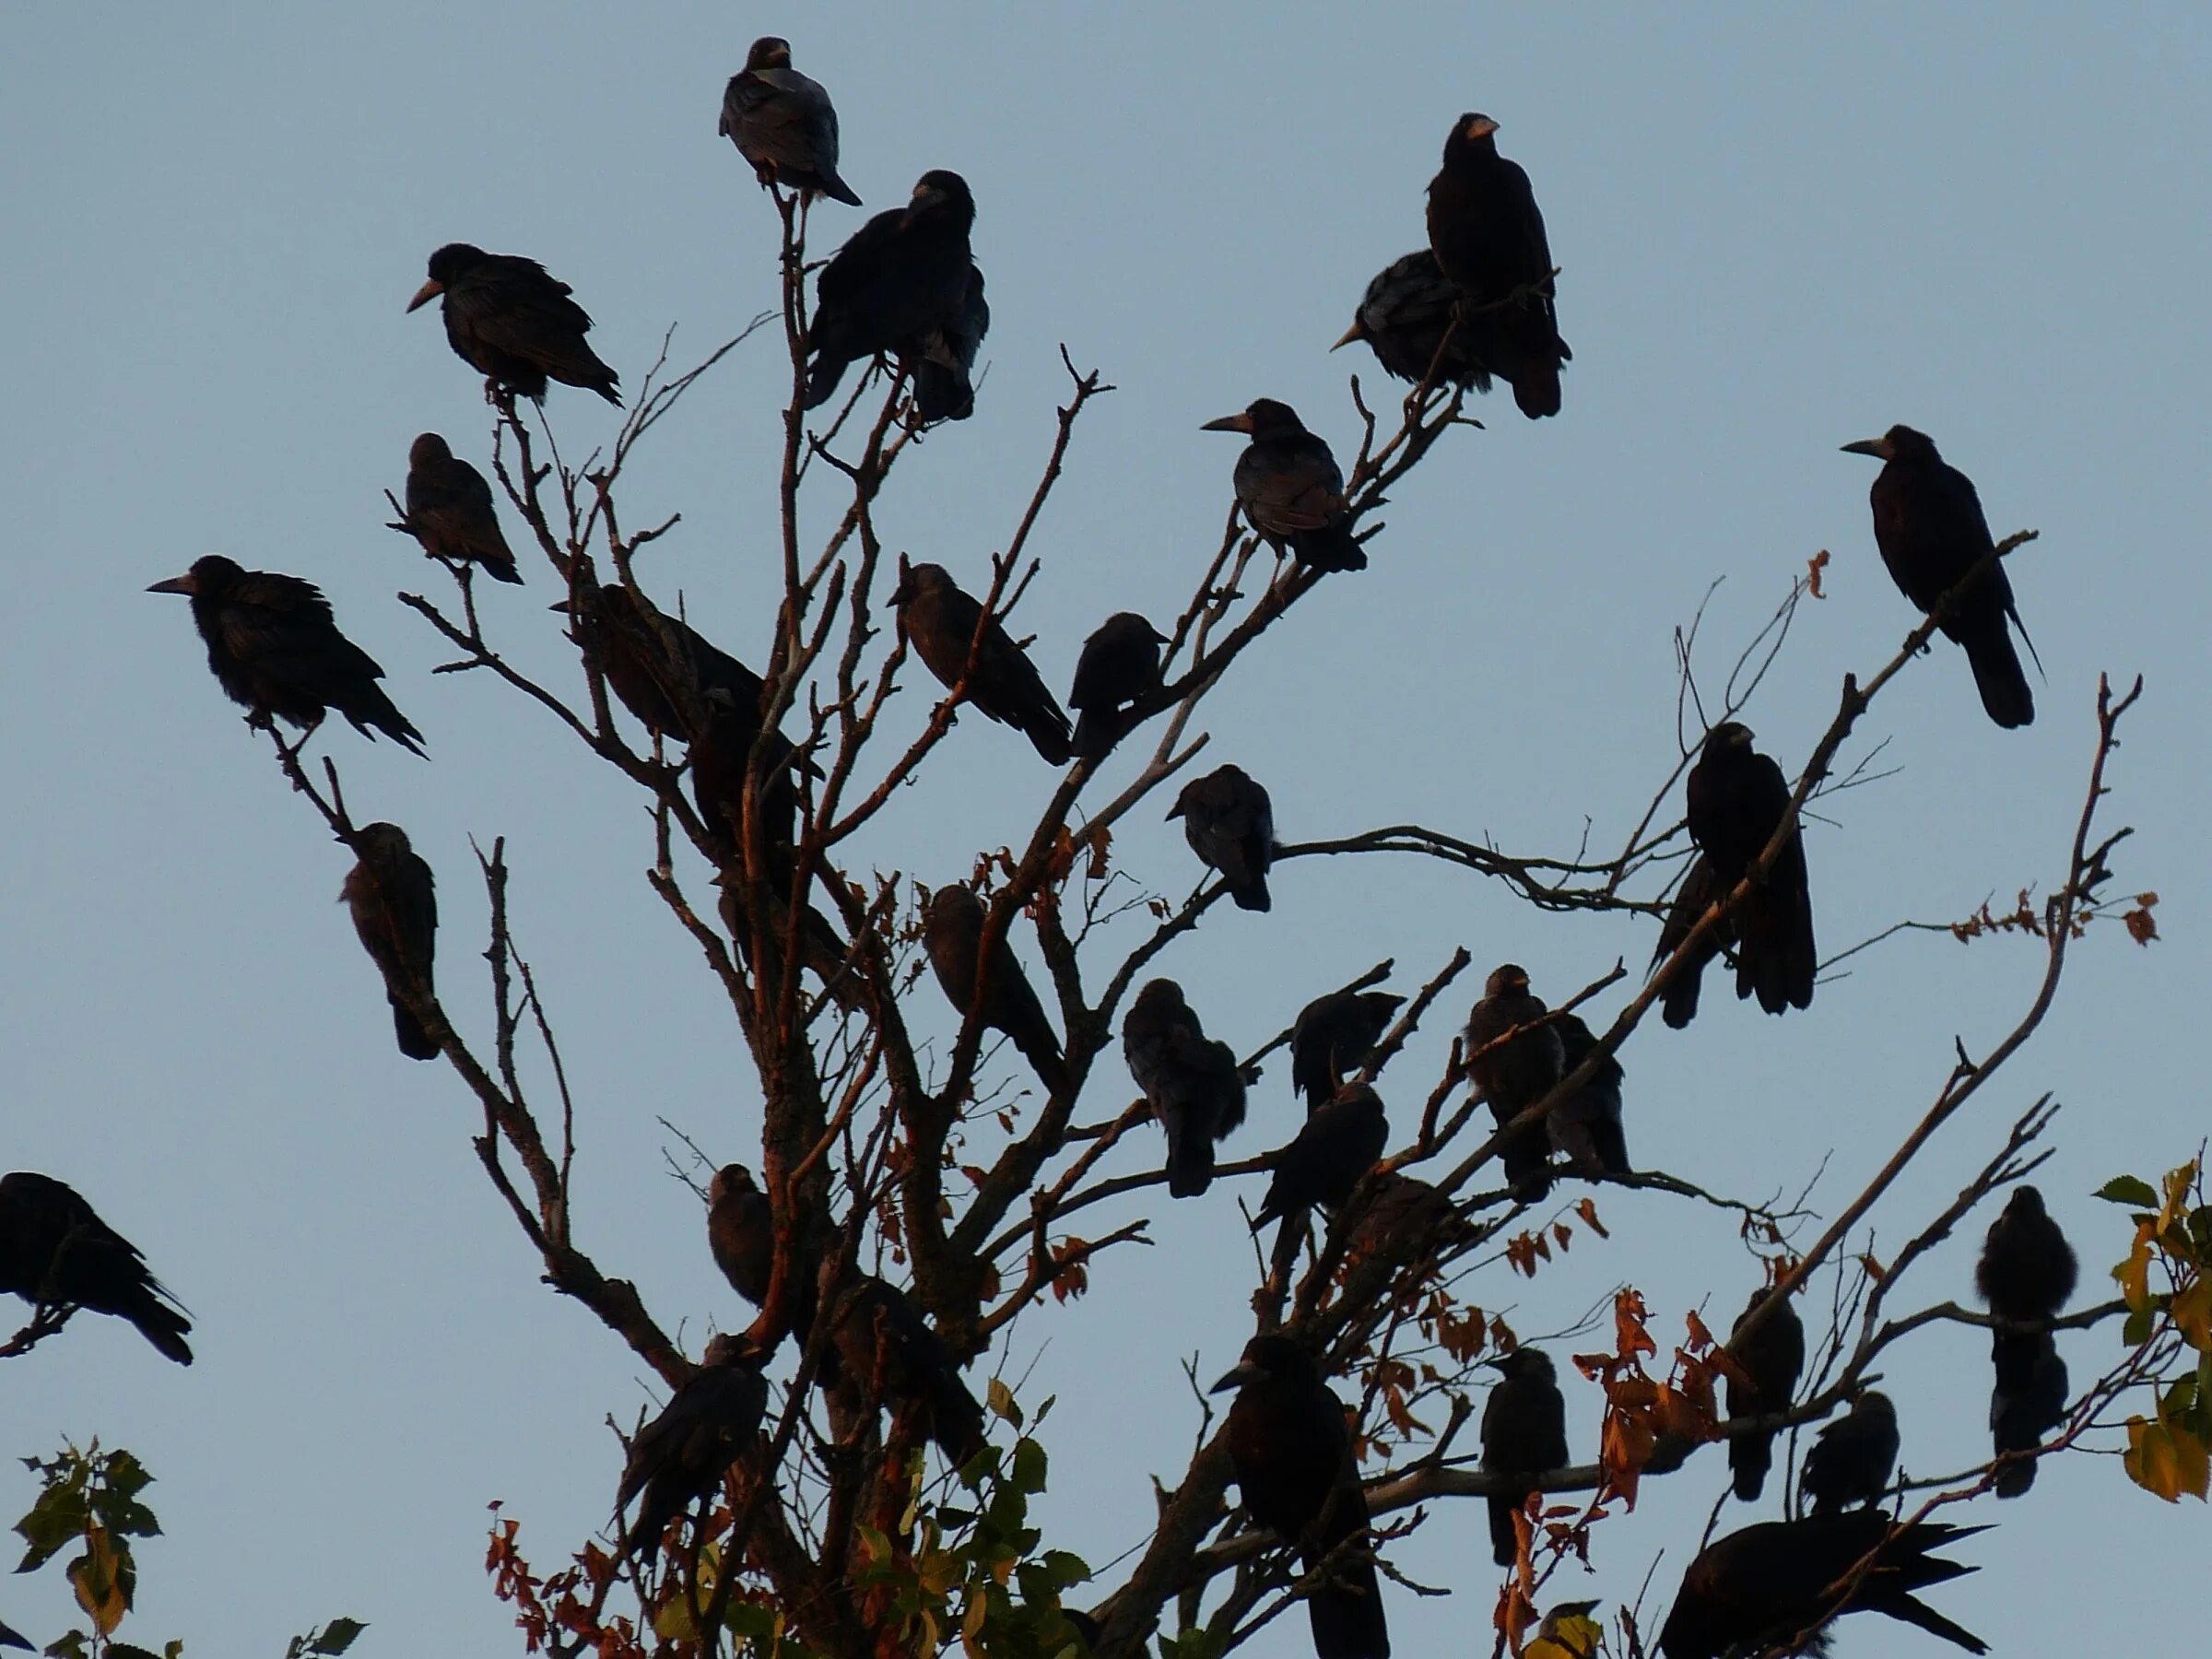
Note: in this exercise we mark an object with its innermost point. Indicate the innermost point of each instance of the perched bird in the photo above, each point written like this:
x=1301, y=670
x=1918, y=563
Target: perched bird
x=1737, y=798
x=627, y=639
x=952, y=929
x=1290, y=487
x=1191, y=1080
x=1405, y=316
x=1850, y=1464
x=681, y=1456
x=741, y=1234
x=1700, y=891
x=942, y=623
x=1523, y=1435
x=1406, y=1214
x=393, y=900
x=1585, y=1127
x=1333, y=1037
x=1230, y=822
x=513, y=324
x=1487, y=235
x=54, y=1252
x=2025, y=1275
x=1766, y=1588
x=275, y=648
x=448, y=510
x=878, y=1336
x=1516, y=1074
x=1333, y=1147
x=943, y=357
x=783, y=123
x=1928, y=525
x=1292, y=1452
x=1772, y=1356
x=1119, y=665
x=904, y=284
x=721, y=755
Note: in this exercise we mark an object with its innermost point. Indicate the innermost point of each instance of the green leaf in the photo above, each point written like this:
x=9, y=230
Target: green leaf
x=2137, y=1327
x=124, y=1475
x=1066, y=1567
x=1029, y=1466
x=1003, y=1405
x=71, y=1646
x=337, y=1636
x=2128, y=1190
x=59, y=1517
x=173, y=1650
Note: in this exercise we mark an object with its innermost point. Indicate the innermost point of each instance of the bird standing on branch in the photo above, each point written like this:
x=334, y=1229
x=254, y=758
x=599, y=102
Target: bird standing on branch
x=904, y=284
x=1523, y=1435
x=1230, y=822
x=393, y=900
x=513, y=324
x=1516, y=1073
x=1737, y=798
x=783, y=123
x=1119, y=665
x=952, y=929
x=2025, y=1275
x=1191, y=1081
x=54, y=1252
x=681, y=1456
x=448, y=510
x=1487, y=235
x=1290, y=487
x=1333, y=1147
x=1333, y=1037
x=1772, y=1357
x=995, y=675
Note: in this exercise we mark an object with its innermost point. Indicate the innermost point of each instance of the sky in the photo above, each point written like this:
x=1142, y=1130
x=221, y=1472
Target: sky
x=1780, y=229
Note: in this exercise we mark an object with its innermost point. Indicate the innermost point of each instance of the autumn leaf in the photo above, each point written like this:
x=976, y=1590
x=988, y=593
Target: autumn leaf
x=1587, y=1210
x=1813, y=568
x=2142, y=926
x=2192, y=1312
x=1629, y=1339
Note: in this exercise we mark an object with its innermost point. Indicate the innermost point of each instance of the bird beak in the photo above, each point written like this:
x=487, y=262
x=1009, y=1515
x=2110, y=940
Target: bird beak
x=1246, y=1371
x=1358, y=331
x=1877, y=447
x=175, y=584
x=1482, y=126
x=1239, y=422
x=1174, y=812
x=922, y=199
x=426, y=293
x=563, y=606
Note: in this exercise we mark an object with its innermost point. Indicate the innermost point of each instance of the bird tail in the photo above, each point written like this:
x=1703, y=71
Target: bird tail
x=1041, y=1050
x=942, y=393
x=1046, y=729
x=377, y=713
x=1346, y=1617
x=414, y=1042
x=1190, y=1162
x=1749, y=1458
x=1097, y=731
x=1680, y=1004
x=160, y=1325
x=1251, y=895
x=1912, y=1610
x=1331, y=547
x=822, y=376
x=1536, y=389
x=830, y=185
x=1776, y=956
x=1504, y=1547
x=1999, y=676
x=502, y=572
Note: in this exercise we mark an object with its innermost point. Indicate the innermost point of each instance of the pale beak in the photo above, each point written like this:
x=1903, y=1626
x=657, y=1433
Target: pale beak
x=1358, y=331
x=1228, y=423
x=1877, y=447
x=175, y=584
x=1482, y=126
x=1245, y=1372
x=426, y=293
x=922, y=199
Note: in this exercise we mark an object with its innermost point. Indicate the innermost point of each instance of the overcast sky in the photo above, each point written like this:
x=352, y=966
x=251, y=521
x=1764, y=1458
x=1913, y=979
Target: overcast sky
x=1780, y=229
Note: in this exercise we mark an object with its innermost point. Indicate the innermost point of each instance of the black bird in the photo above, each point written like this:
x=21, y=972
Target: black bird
x=1120, y=664
x=1517, y=1074
x=1523, y=1436
x=2028, y=1401
x=623, y=637
x=742, y=1235
x=1333, y=1147
x=681, y=1455
x=1585, y=1127
x=1850, y=1464
x=952, y=929
x=1293, y=1452
x=721, y=754
x=513, y=324
x=1737, y=797
x=1700, y=891
x=1772, y=1357
x=2025, y=1275
x=1230, y=822
x=1403, y=317
x=1333, y=1037
x=942, y=622
x=1487, y=235
x=1406, y=1215
x=54, y=1252
x=275, y=648
x=1763, y=1589
x=1290, y=487
x=943, y=357
x=393, y=900
x=904, y=284
x=1928, y=525
x=878, y=1333
x=783, y=123
x=1191, y=1080
x=450, y=513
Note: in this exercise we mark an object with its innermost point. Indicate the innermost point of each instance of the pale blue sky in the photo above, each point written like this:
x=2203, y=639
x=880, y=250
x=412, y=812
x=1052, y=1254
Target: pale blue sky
x=1780, y=229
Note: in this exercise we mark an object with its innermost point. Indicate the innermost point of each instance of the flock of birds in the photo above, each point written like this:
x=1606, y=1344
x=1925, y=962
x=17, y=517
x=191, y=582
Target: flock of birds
x=1477, y=304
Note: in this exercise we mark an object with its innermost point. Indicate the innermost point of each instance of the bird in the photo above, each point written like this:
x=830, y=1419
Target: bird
x=903, y=282
x=1487, y=235
x=993, y=674
x=708, y=1424
x=1333, y=1147
x=1850, y=1464
x=1119, y=666
x=275, y=649
x=952, y=931
x=2025, y=1275
x=1406, y=1214
x=943, y=357
x=627, y=638
x=1333, y=1036
x=1191, y=1080
x=1516, y=1074
x=1290, y=487
x=1928, y=525
x=1405, y=316
x=1523, y=1437
x=721, y=756
x=1737, y=798
x=741, y=1236
x=448, y=510
x=55, y=1252
x=1766, y=1588
x=1292, y=1454
x=509, y=320
x=2028, y=1401
x=1700, y=891
x=783, y=123
x=878, y=1336
x=1230, y=822
x=1771, y=1356
x=1585, y=1127
x=393, y=900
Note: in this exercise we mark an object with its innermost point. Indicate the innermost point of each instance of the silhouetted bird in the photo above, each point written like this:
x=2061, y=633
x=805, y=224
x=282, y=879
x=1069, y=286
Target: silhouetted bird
x=1771, y=1356
x=1928, y=523
x=1191, y=1080
x=681, y=1456
x=1516, y=1074
x=54, y=1252
x=1290, y=488
x=1408, y=1217
x=879, y=1335
x=393, y=900
x=1737, y=798
x=1120, y=664
x=903, y=283
x=1700, y=891
x=1230, y=822
x=943, y=355
x=952, y=929
x=275, y=648
x=1292, y=1452
x=623, y=637
x=720, y=755
x=1523, y=1436
x=1403, y=317
x=448, y=510
x=941, y=621
x=783, y=123
x=1333, y=1147
x=1585, y=1126
x=742, y=1235
x=1487, y=235
x=1764, y=1589
x=2025, y=1275
x=2028, y=1401
x=1850, y=1464
x=1333, y=1037
x=513, y=324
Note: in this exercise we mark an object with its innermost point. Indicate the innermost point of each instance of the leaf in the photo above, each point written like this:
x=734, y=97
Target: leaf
x=2191, y=1314
x=2134, y=1274
x=1003, y=1404
x=103, y=1579
x=1814, y=567
x=2128, y=1190
x=337, y=1636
